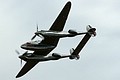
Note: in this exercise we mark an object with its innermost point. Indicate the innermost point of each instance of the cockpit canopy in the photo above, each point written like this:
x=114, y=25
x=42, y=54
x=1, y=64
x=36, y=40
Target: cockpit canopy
x=34, y=42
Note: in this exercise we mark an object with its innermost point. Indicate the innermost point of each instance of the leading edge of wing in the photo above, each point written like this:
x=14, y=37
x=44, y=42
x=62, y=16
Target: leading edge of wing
x=60, y=21
x=28, y=66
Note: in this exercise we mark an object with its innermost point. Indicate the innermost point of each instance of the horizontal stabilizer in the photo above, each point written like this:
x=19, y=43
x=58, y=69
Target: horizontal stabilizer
x=82, y=43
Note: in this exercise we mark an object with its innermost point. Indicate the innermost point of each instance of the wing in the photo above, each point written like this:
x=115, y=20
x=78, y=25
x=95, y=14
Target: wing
x=83, y=42
x=58, y=25
x=28, y=66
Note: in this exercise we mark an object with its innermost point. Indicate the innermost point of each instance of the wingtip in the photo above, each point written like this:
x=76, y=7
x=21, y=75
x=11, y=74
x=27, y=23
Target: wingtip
x=69, y=2
x=19, y=75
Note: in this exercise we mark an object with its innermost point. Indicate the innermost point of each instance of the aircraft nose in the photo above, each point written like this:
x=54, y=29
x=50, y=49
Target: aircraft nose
x=23, y=46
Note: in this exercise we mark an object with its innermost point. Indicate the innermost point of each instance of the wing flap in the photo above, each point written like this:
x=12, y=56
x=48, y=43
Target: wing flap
x=28, y=66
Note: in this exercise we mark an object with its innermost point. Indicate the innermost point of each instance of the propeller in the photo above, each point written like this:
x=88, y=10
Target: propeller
x=35, y=34
x=33, y=37
x=88, y=27
x=20, y=56
x=17, y=52
x=21, y=62
x=71, y=50
x=92, y=33
x=37, y=27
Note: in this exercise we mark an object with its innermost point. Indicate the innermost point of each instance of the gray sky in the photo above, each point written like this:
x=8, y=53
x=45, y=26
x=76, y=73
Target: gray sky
x=99, y=58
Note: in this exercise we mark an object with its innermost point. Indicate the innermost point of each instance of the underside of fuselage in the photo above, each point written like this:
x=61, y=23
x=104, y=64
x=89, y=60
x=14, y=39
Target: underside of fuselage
x=37, y=47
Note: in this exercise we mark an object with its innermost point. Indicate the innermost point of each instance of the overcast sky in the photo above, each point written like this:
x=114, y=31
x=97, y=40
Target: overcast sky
x=99, y=58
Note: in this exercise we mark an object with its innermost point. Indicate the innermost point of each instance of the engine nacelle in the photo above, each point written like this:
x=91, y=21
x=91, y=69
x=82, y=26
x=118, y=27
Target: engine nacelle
x=56, y=55
x=72, y=31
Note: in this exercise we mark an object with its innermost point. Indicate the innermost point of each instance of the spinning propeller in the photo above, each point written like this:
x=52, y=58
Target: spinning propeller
x=20, y=56
x=37, y=35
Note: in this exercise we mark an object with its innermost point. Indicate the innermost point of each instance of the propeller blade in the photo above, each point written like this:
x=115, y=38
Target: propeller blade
x=37, y=27
x=35, y=34
x=17, y=52
x=33, y=37
x=21, y=62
